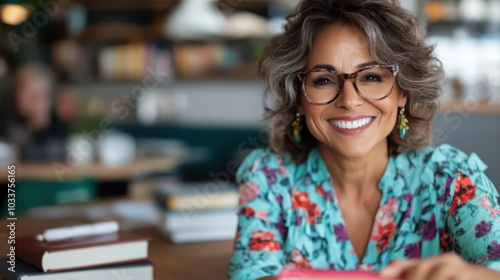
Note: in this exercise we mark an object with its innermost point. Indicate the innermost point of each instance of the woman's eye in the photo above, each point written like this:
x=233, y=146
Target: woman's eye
x=371, y=78
x=324, y=81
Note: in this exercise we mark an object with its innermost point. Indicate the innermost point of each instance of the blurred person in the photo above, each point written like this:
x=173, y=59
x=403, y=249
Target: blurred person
x=29, y=120
x=350, y=181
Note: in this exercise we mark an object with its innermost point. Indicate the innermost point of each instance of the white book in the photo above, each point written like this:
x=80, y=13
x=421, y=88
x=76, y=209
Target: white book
x=203, y=235
x=193, y=220
x=24, y=271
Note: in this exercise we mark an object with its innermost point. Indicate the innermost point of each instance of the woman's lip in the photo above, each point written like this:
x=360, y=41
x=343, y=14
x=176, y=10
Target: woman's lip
x=350, y=118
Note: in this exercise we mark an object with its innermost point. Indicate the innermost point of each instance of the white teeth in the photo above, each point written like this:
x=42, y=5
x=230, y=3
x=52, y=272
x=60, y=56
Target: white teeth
x=352, y=124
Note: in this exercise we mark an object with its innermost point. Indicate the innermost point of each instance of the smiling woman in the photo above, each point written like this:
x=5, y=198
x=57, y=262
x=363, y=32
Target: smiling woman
x=371, y=98
x=350, y=181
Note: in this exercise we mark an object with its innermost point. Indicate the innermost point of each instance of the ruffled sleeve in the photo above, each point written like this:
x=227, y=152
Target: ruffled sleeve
x=259, y=239
x=471, y=207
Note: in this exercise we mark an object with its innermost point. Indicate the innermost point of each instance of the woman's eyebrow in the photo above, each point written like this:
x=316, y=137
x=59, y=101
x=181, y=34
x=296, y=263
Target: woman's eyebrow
x=330, y=67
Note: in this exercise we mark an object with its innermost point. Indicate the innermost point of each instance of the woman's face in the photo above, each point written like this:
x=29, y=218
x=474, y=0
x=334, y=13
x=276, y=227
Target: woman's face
x=345, y=48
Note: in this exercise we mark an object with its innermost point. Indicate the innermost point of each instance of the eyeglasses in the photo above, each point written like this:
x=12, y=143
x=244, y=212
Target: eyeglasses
x=323, y=85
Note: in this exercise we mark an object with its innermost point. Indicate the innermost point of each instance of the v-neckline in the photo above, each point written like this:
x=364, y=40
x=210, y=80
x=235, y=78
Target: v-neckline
x=371, y=245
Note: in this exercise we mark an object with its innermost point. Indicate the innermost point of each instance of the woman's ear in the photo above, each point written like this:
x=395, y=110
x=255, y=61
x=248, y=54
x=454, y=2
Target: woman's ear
x=401, y=99
x=300, y=107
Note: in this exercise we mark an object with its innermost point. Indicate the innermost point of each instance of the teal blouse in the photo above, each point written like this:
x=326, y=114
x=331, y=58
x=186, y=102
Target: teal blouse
x=434, y=200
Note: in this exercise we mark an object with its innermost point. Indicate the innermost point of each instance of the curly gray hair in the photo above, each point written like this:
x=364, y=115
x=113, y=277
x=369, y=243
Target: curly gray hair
x=394, y=36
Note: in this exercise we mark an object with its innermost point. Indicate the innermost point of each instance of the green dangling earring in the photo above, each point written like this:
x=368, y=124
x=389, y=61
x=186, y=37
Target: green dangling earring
x=297, y=128
x=402, y=123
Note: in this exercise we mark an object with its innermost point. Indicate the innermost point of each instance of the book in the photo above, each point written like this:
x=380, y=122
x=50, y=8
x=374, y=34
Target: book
x=24, y=271
x=85, y=252
x=317, y=274
x=200, y=235
x=198, y=220
x=196, y=196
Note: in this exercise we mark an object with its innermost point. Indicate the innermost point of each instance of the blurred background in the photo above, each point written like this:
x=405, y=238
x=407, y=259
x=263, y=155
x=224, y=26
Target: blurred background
x=113, y=98
x=141, y=111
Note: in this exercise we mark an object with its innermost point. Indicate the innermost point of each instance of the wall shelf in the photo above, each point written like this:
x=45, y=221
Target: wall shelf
x=164, y=5
x=464, y=107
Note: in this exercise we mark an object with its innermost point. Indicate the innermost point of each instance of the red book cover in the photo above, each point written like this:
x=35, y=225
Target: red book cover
x=83, y=252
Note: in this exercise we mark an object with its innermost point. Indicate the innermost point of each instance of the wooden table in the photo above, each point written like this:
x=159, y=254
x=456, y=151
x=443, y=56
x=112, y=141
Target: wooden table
x=173, y=262
x=61, y=171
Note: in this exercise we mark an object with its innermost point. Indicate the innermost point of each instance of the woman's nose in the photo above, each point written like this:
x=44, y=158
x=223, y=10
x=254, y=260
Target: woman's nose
x=349, y=98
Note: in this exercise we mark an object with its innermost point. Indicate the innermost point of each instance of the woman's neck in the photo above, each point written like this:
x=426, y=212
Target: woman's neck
x=356, y=177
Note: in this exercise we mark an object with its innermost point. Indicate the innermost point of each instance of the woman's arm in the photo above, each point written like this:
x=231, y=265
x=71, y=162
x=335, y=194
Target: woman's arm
x=258, y=247
x=473, y=221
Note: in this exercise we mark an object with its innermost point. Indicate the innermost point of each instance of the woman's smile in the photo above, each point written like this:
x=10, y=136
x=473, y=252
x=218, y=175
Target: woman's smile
x=351, y=125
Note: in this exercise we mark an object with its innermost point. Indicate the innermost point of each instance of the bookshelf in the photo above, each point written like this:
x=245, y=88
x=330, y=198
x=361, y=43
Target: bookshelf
x=124, y=46
x=132, y=31
x=117, y=55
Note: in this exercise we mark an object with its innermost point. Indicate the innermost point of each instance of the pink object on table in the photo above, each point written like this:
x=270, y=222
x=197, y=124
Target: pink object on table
x=326, y=274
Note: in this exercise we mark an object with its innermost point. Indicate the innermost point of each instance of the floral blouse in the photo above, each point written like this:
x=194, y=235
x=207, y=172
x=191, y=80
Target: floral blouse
x=434, y=200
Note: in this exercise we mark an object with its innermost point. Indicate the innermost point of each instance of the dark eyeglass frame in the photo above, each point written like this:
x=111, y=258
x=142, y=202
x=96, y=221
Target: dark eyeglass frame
x=345, y=76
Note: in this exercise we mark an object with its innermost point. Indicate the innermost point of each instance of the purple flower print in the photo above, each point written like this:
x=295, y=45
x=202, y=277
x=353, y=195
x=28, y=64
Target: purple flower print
x=270, y=174
x=340, y=232
x=494, y=250
x=281, y=226
x=413, y=250
x=329, y=196
x=430, y=228
x=408, y=197
x=279, y=199
x=482, y=228
x=299, y=221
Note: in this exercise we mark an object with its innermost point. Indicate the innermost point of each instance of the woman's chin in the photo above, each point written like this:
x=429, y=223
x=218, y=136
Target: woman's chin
x=350, y=151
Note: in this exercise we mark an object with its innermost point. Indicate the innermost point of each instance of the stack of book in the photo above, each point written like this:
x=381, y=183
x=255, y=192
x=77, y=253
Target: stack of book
x=197, y=212
x=109, y=256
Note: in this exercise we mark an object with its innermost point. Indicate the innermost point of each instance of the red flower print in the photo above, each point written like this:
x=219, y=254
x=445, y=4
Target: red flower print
x=300, y=200
x=261, y=240
x=299, y=260
x=445, y=240
x=464, y=191
x=238, y=235
x=320, y=190
x=383, y=235
x=247, y=211
x=250, y=212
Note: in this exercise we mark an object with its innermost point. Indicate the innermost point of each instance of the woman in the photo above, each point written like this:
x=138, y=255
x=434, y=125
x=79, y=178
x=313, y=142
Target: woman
x=28, y=119
x=352, y=183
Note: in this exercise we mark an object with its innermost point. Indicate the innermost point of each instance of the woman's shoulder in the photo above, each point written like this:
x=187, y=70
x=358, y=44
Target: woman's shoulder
x=448, y=159
x=271, y=167
x=263, y=159
x=444, y=163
